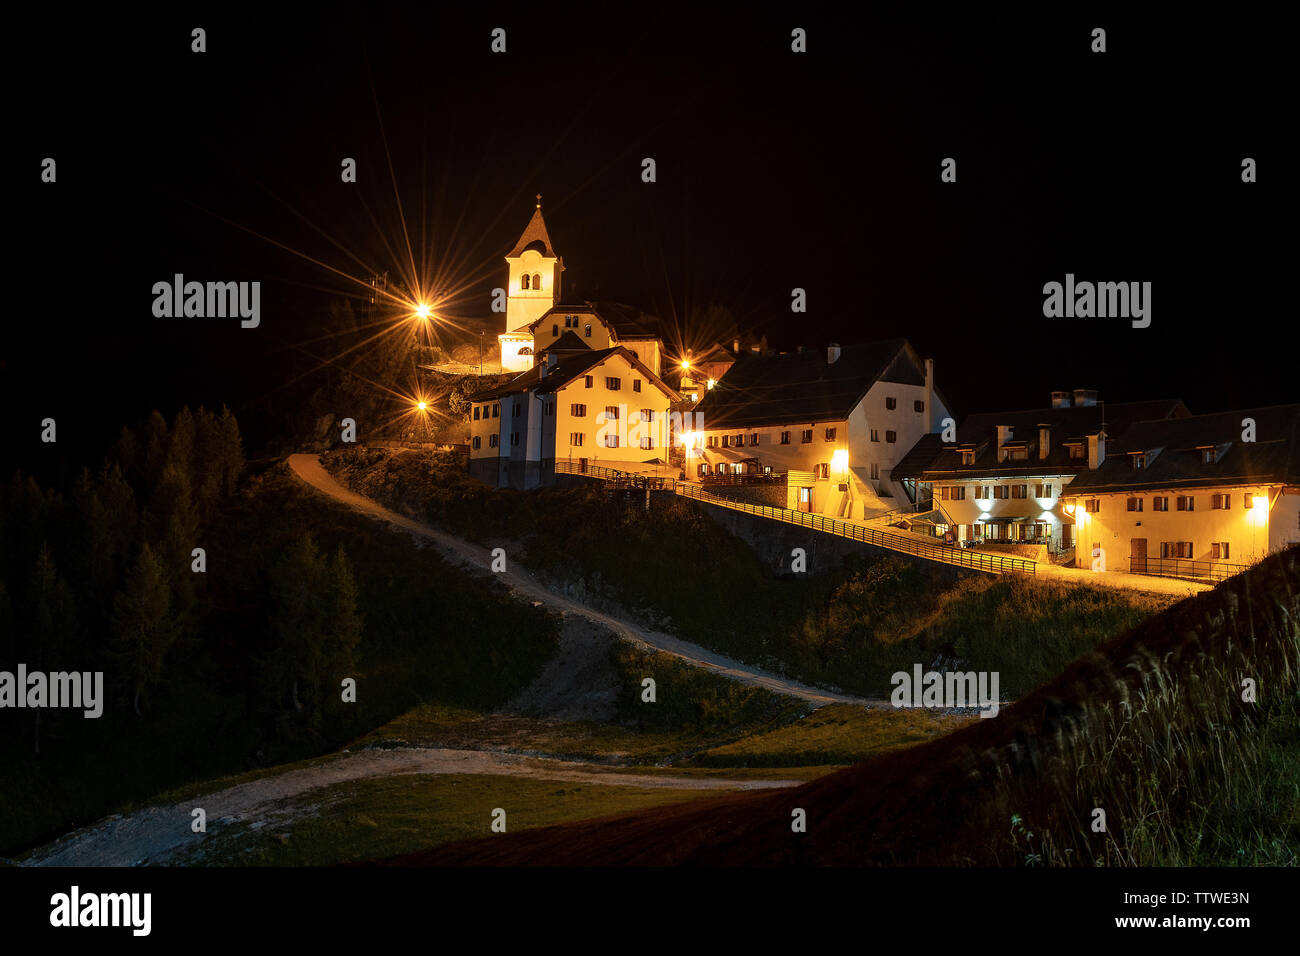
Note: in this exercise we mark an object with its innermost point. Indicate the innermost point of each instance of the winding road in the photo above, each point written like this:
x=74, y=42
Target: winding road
x=309, y=469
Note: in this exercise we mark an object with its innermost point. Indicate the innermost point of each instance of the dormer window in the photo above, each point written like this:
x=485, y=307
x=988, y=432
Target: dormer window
x=1139, y=460
x=1208, y=455
x=968, y=457
x=1077, y=452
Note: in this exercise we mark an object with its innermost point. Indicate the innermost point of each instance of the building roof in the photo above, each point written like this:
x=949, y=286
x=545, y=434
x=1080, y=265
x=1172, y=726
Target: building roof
x=1174, y=452
x=627, y=321
x=789, y=387
x=568, y=366
x=568, y=342
x=535, y=231
x=931, y=459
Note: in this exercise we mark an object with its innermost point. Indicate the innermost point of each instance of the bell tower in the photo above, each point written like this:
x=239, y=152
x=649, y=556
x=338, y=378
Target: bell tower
x=533, y=289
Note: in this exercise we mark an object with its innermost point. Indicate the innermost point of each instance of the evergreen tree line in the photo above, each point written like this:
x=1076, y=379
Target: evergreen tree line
x=104, y=577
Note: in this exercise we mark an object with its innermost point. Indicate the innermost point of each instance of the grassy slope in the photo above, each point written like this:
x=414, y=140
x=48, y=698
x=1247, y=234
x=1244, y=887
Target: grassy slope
x=1152, y=728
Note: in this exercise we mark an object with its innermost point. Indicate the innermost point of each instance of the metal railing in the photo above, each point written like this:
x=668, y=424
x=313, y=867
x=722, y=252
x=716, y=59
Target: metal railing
x=1198, y=570
x=960, y=557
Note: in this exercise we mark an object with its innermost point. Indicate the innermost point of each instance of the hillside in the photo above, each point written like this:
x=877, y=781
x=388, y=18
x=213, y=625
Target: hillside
x=1151, y=728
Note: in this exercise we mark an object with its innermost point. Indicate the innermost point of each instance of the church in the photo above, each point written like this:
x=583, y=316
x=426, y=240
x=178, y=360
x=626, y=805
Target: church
x=588, y=386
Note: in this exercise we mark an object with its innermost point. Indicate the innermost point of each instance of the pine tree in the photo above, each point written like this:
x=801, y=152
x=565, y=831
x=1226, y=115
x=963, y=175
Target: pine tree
x=143, y=627
x=298, y=623
x=51, y=623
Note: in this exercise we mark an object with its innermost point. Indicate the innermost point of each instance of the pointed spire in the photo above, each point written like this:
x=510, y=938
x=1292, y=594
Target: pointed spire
x=535, y=231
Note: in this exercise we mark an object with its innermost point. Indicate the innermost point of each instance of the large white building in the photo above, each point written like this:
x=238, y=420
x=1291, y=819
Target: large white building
x=532, y=288
x=1199, y=496
x=1004, y=476
x=588, y=407
x=834, y=421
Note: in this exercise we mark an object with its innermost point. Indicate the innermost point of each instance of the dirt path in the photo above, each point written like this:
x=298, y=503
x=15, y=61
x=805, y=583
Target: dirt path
x=310, y=470
x=155, y=835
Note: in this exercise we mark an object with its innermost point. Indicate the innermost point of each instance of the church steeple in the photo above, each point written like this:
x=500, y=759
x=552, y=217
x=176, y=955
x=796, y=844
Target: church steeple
x=535, y=231
x=532, y=290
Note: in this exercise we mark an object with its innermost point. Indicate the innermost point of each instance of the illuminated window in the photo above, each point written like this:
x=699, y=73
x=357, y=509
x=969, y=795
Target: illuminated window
x=830, y=434
x=587, y=332
x=967, y=457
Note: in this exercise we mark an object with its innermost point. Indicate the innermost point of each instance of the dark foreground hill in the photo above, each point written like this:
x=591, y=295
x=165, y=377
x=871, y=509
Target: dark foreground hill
x=1150, y=729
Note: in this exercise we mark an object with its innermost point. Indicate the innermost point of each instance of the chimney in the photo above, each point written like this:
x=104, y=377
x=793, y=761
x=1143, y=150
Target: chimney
x=832, y=353
x=1004, y=436
x=1096, y=450
x=1060, y=399
x=929, y=395
x=735, y=346
x=1044, y=441
x=1085, y=397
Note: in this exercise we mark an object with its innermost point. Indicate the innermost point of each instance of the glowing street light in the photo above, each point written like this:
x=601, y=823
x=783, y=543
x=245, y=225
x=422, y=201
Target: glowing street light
x=423, y=311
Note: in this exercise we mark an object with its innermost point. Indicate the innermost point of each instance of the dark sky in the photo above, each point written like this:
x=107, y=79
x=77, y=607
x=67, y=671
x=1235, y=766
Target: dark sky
x=774, y=171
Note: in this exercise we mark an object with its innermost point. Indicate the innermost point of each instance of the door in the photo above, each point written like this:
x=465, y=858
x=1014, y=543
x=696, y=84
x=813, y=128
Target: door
x=1137, y=555
x=1067, y=536
x=805, y=499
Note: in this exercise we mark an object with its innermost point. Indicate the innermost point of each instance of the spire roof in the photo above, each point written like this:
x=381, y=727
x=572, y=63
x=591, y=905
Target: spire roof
x=535, y=231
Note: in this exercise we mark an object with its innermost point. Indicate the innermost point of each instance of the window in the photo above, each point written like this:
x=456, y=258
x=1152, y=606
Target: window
x=647, y=444
x=919, y=405
x=753, y=438
x=1186, y=503
x=611, y=413
x=821, y=470
x=514, y=438
x=785, y=438
x=494, y=441
x=1219, y=551
x=891, y=437
x=1160, y=503
x=1219, y=502
x=1139, y=461
x=636, y=383
x=1184, y=549
x=959, y=494
x=738, y=441
x=1019, y=453
x=1245, y=500
x=517, y=408
x=1077, y=452
x=1092, y=505
x=979, y=492
x=496, y=410
x=875, y=471
x=806, y=436
x=702, y=469
x=613, y=384
x=550, y=408
x=591, y=381
x=1000, y=491
x=537, y=280
x=1207, y=457
x=587, y=332
x=611, y=441
x=476, y=410
x=647, y=414
x=943, y=493
x=726, y=441
x=891, y=403
x=1135, y=504
x=712, y=442
x=555, y=331
x=1043, y=491
x=830, y=434
x=968, y=457
x=477, y=442
x=1019, y=491
x=875, y=435
x=578, y=410
x=525, y=281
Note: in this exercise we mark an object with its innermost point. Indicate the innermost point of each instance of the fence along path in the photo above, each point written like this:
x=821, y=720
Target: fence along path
x=961, y=557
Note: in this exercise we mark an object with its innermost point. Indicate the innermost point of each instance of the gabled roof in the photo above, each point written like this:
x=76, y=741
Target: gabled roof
x=931, y=459
x=568, y=367
x=783, y=388
x=535, y=231
x=1272, y=458
x=568, y=342
x=627, y=321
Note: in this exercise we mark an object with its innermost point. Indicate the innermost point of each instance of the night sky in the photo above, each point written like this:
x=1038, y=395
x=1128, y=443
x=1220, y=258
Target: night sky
x=775, y=170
